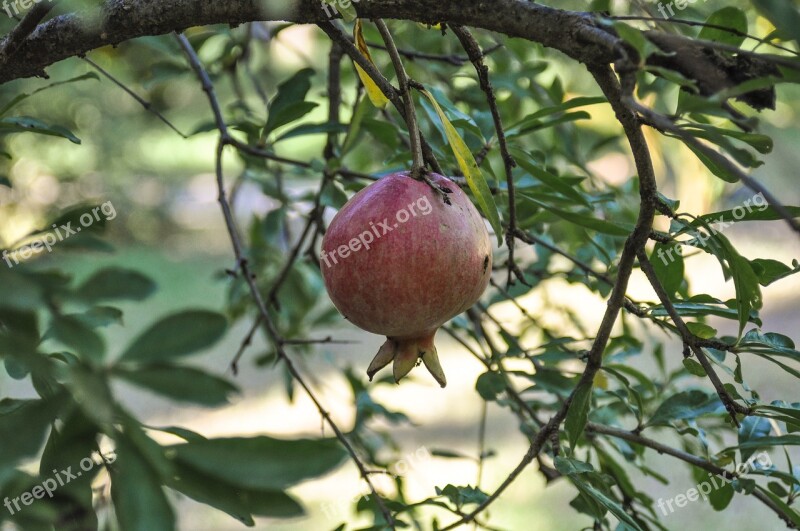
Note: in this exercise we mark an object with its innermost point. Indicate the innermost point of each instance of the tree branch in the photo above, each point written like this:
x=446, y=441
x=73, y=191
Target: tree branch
x=116, y=21
x=686, y=457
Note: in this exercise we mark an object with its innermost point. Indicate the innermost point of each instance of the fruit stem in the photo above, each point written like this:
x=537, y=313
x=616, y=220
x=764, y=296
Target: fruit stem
x=418, y=164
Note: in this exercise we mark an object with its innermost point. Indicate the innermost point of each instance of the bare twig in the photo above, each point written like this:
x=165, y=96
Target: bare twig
x=144, y=103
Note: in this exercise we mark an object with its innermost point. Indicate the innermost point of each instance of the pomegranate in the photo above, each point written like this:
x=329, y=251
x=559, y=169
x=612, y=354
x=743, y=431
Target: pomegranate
x=399, y=261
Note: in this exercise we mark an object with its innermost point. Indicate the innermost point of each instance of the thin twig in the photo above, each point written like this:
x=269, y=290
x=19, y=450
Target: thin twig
x=687, y=22
x=144, y=103
x=417, y=164
x=476, y=55
x=455, y=60
x=242, y=265
x=337, y=35
x=689, y=339
x=665, y=124
x=688, y=458
x=526, y=237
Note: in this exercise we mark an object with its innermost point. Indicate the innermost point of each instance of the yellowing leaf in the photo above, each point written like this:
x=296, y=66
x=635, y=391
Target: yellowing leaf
x=374, y=92
x=470, y=169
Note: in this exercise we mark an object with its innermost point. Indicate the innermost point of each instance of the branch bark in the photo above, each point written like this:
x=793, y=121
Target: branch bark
x=116, y=21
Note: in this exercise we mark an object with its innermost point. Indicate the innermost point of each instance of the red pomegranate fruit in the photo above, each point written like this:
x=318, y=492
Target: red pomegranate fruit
x=399, y=261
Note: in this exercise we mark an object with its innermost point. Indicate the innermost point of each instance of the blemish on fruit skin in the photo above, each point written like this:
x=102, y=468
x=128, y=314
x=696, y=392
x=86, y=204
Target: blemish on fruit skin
x=485, y=262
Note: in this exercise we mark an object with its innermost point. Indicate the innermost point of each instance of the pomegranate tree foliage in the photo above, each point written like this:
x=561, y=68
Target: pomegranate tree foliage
x=528, y=124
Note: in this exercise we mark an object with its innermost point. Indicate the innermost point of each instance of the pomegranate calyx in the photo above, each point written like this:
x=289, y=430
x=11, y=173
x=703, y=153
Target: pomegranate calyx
x=406, y=354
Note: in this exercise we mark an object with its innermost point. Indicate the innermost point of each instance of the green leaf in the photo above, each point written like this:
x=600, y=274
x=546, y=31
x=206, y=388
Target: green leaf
x=532, y=123
x=569, y=466
x=240, y=503
x=333, y=195
x=460, y=496
x=720, y=498
x=139, y=501
x=21, y=97
x=578, y=412
x=694, y=367
x=347, y=10
x=783, y=14
x=701, y=330
x=634, y=37
x=99, y=316
x=716, y=169
x=684, y=405
x=289, y=103
x=466, y=162
x=780, y=440
x=764, y=212
x=770, y=271
x=567, y=105
x=548, y=179
x=177, y=335
x=584, y=220
x=490, y=384
x=728, y=17
x=185, y=384
x=669, y=272
x=312, y=129
x=91, y=392
x=18, y=124
x=117, y=283
x=595, y=494
x=24, y=425
x=78, y=336
x=261, y=462
x=752, y=429
x=745, y=281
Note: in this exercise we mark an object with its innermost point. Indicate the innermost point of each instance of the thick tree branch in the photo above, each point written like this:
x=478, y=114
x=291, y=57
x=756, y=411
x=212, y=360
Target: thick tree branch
x=116, y=21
